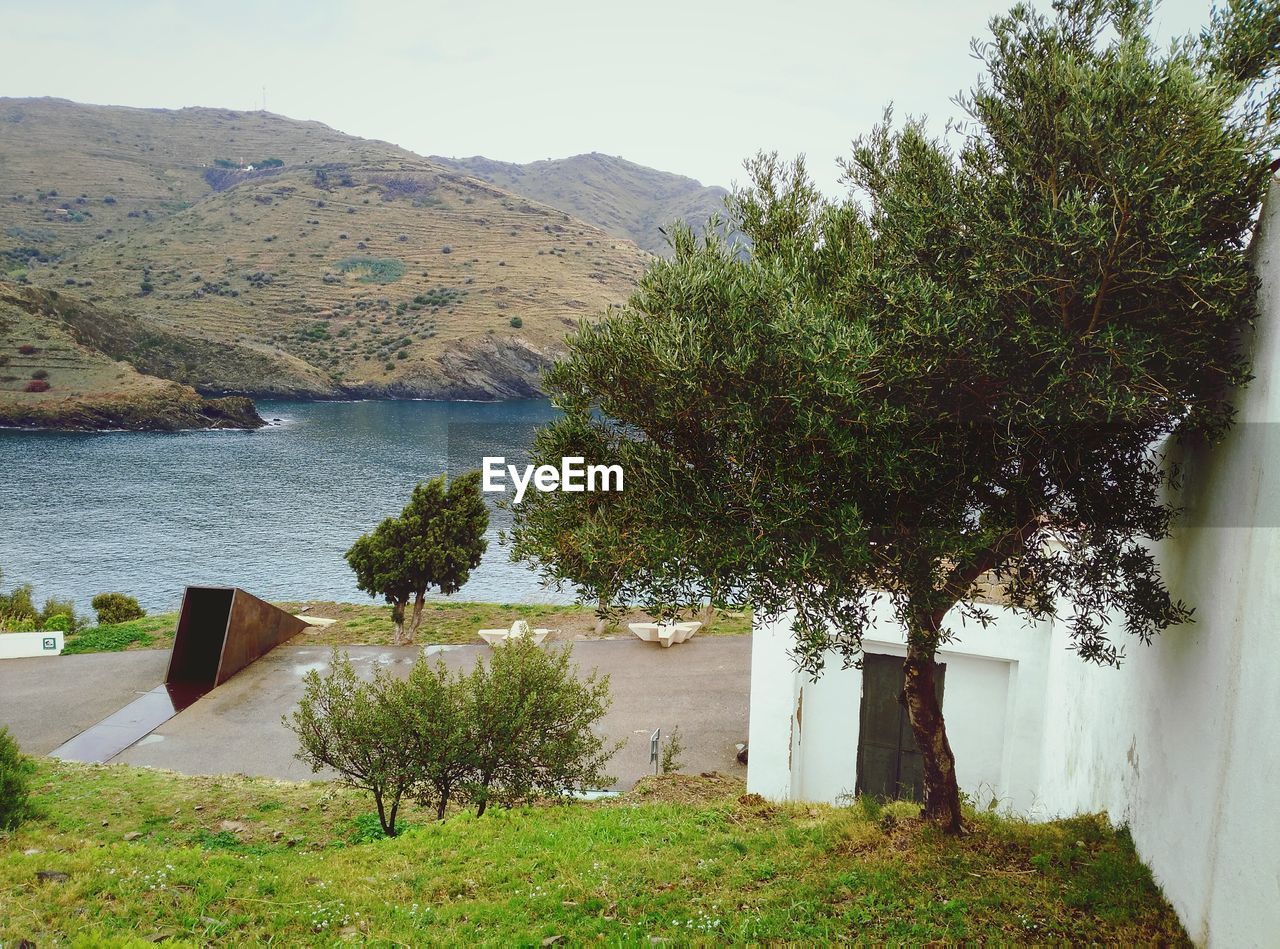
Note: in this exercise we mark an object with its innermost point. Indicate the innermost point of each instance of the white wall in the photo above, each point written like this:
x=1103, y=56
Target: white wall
x=804, y=734
x=1182, y=743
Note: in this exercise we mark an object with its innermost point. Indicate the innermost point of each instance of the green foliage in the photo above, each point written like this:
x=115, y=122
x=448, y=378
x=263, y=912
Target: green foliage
x=58, y=621
x=115, y=608
x=519, y=727
x=436, y=541
x=62, y=613
x=671, y=749
x=373, y=269
x=15, y=782
x=516, y=322
x=359, y=730
x=18, y=607
x=962, y=370
x=533, y=725
x=112, y=638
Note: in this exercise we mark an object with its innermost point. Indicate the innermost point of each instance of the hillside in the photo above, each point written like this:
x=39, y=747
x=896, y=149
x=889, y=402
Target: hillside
x=294, y=259
x=54, y=373
x=623, y=198
x=130, y=856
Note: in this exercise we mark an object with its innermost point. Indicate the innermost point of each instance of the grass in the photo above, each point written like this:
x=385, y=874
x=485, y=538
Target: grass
x=369, y=624
x=373, y=269
x=149, y=632
x=685, y=859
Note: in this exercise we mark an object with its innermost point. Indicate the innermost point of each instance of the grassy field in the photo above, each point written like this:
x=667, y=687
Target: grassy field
x=369, y=624
x=122, y=853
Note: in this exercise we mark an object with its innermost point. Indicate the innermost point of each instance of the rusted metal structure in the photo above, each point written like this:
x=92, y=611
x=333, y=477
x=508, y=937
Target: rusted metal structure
x=220, y=631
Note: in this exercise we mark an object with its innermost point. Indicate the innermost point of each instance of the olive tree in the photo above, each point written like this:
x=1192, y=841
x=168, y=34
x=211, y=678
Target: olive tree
x=436, y=541
x=958, y=377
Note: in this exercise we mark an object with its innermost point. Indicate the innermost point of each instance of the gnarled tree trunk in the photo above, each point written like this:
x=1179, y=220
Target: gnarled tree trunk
x=920, y=695
x=397, y=617
x=416, y=619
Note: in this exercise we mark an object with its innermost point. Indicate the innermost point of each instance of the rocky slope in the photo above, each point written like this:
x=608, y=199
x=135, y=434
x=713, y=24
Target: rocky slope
x=625, y=199
x=249, y=253
x=54, y=375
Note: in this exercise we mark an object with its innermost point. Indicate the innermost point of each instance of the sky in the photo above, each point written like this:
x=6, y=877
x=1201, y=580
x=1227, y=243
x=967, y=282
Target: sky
x=691, y=87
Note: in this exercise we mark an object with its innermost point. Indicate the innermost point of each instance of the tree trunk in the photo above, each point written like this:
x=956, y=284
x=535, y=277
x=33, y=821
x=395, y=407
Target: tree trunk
x=397, y=617
x=919, y=693
x=601, y=619
x=416, y=620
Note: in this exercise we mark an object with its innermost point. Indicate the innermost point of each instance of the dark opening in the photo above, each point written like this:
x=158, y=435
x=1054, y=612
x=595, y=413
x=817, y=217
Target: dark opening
x=202, y=627
x=889, y=765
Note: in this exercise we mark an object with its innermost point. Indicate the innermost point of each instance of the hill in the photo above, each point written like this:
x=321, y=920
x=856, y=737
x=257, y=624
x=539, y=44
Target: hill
x=294, y=259
x=55, y=372
x=623, y=198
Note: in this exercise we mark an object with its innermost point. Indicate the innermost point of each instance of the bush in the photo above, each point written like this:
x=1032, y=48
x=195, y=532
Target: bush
x=27, y=349
x=533, y=726
x=373, y=269
x=359, y=730
x=116, y=608
x=18, y=607
x=516, y=322
x=37, y=385
x=15, y=782
x=671, y=752
x=58, y=621
x=521, y=726
x=40, y=374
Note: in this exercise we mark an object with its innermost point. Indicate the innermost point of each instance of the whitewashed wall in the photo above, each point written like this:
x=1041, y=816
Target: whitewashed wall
x=1182, y=743
x=804, y=734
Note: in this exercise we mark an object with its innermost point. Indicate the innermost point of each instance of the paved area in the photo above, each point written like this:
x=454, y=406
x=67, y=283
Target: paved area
x=702, y=686
x=47, y=700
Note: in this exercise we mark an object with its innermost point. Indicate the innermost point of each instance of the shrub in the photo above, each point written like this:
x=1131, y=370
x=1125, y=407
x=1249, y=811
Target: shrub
x=671, y=752
x=27, y=349
x=359, y=729
x=116, y=608
x=516, y=322
x=521, y=726
x=533, y=726
x=58, y=621
x=16, y=770
x=40, y=374
x=37, y=385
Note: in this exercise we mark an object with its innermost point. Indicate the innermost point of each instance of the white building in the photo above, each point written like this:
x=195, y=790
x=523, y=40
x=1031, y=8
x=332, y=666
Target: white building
x=1182, y=743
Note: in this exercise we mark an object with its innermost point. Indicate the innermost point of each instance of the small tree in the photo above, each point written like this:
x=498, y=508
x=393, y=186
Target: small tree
x=116, y=608
x=16, y=770
x=533, y=726
x=957, y=376
x=359, y=729
x=437, y=540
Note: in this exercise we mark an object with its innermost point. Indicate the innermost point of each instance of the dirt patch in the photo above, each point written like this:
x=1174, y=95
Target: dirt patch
x=688, y=788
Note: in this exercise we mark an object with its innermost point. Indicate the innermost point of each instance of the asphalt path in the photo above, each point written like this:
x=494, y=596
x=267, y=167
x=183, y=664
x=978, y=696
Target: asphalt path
x=701, y=686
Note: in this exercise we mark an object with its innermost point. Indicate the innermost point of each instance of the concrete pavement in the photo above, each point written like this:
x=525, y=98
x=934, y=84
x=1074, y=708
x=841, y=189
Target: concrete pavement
x=702, y=686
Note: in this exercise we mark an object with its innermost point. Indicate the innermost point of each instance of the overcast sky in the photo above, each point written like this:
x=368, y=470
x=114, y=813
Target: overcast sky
x=689, y=86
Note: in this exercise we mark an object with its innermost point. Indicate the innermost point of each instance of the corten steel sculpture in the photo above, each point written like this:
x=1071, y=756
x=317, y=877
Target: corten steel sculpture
x=220, y=631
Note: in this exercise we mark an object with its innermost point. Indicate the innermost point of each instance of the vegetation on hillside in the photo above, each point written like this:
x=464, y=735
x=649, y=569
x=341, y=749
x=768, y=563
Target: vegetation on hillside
x=123, y=853
x=625, y=199
x=136, y=212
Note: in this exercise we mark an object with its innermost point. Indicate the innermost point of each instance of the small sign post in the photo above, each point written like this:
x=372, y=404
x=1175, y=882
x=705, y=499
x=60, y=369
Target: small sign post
x=654, y=741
